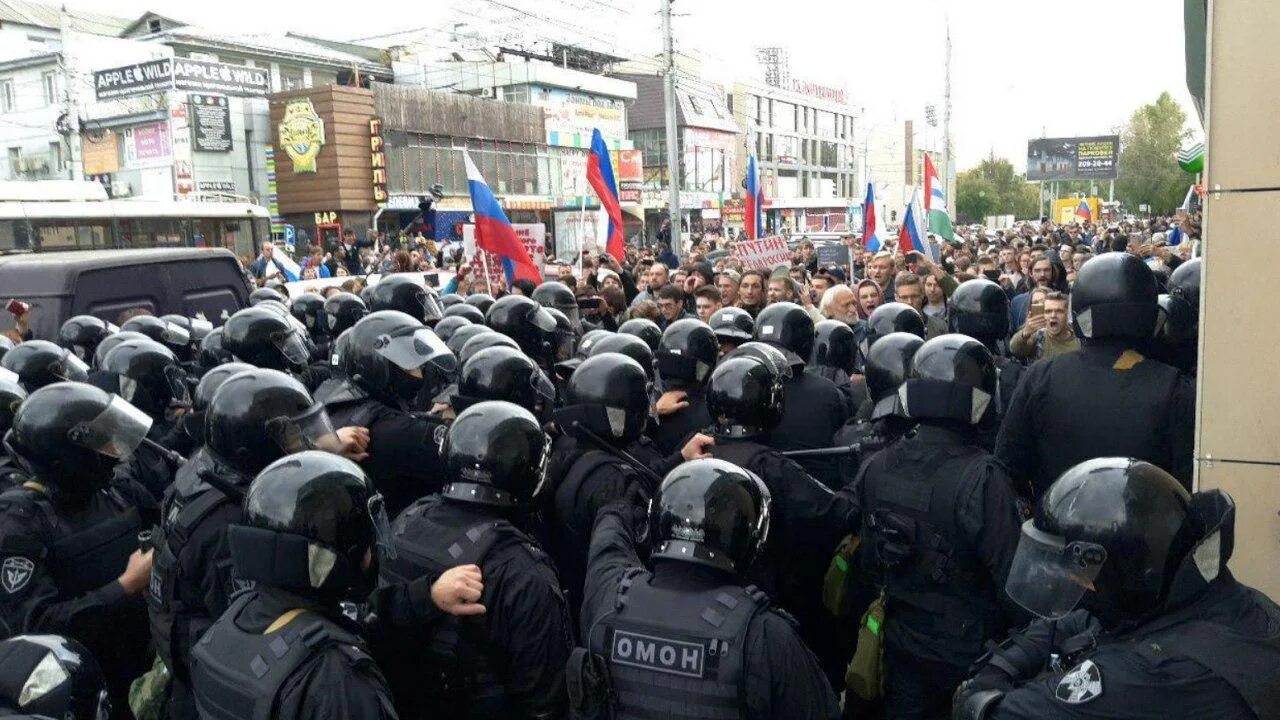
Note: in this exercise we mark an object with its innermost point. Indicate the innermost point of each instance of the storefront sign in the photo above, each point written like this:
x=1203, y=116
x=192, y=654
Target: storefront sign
x=327, y=218
x=219, y=77
x=570, y=117
x=101, y=154
x=211, y=123
x=734, y=212
x=301, y=133
x=763, y=254
x=532, y=235
x=822, y=92
x=216, y=186
x=378, y=161
x=147, y=143
x=139, y=79
x=629, y=172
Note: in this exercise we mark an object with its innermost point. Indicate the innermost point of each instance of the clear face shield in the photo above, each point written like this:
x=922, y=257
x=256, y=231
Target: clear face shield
x=115, y=432
x=1049, y=575
x=565, y=342
x=309, y=430
x=176, y=335
x=290, y=343
x=51, y=673
x=381, y=527
x=432, y=310
x=9, y=376
x=74, y=369
x=414, y=348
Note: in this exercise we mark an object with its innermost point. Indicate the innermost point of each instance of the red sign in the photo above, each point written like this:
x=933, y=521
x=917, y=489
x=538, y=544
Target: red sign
x=629, y=172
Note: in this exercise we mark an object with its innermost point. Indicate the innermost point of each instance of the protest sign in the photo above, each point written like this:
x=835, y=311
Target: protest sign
x=763, y=254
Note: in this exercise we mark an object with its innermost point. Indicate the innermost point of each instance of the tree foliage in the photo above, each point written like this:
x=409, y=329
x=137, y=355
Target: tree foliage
x=993, y=188
x=1149, y=172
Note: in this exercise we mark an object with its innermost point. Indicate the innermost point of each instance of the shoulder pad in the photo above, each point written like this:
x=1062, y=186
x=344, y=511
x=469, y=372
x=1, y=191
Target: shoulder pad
x=355, y=655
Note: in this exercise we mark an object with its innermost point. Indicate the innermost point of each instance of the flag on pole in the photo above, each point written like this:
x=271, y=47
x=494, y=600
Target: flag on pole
x=1083, y=211
x=755, y=201
x=494, y=232
x=869, y=238
x=935, y=203
x=912, y=233
x=600, y=175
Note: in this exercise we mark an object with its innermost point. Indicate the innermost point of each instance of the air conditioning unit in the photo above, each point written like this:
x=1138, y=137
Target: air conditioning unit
x=487, y=93
x=121, y=189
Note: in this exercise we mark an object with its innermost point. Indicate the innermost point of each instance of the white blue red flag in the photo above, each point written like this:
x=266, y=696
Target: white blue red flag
x=600, y=175
x=755, y=201
x=911, y=236
x=870, y=240
x=1083, y=211
x=494, y=232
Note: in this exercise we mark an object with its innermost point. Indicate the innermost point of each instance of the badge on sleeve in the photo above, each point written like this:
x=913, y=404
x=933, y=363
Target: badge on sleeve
x=1081, y=685
x=15, y=573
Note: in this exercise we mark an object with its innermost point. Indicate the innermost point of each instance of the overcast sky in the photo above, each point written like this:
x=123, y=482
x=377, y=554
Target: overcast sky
x=1020, y=68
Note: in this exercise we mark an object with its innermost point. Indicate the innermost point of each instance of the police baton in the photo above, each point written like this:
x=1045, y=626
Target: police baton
x=583, y=431
x=173, y=457
x=837, y=451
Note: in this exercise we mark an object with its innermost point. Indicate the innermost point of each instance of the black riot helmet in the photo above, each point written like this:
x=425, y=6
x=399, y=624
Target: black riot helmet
x=1114, y=297
x=495, y=453
x=732, y=325
x=51, y=676
x=1184, y=290
x=38, y=363
x=197, y=330
x=646, y=330
x=503, y=373
x=890, y=318
x=952, y=378
x=787, y=326
x=470, y=313
x=459, y=338
x=710, y=512
x=308, y=308
x=392, y=356
x=170, y=334
x=556, y=295
x=746, y=394
x=268, y=294
x=278, y=285
x=565, y=341
x=310, y=520
x=980, y=309
x=484, y=341
x=150, y=377
x=629, y=345
x=5, y=346
x=1117, y=526
x=834, y=345
x=212, y=353
x=265, y=338
x=82, y=333
x=446, y=327
x=448, y=301
x=608, y=395
x=480, y=301
x=887, y=367
x=258, y=416
x=400, y=292
x=687, y=355
x=213, y=380
x=564, y=368
x=523, y=320
x=70, y=435
x=111, y=341
x=12, y=396
x=341, y=311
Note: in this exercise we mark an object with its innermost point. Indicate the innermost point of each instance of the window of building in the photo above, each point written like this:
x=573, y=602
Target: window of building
x=7, y=103
x=56, y=161
x=290, y=78
x=784, y=116
x=15, y=161
x=50, y=88
x=153, y=25
x=696, y=105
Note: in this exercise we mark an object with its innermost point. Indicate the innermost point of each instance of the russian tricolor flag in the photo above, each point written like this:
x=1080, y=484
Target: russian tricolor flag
x=600, y=175
x=911, y=234
x=493, y=231
x=755, y=201
x=869, y=238
x=1084, y=211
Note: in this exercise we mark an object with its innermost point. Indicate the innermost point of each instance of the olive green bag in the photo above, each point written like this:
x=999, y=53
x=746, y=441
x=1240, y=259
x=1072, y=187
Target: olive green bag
x=865, y=674
x=149, y=693
x=837, y=583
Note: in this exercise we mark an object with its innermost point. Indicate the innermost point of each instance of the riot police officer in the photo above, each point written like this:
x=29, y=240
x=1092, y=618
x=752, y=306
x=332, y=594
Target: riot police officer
x=466, y=311
x=389, y=361
x=308, y=309
x=1177, y=334
x=252, y=418
x=38, y=363
x=660, y=631
x=484, y=342
x=1163, y=628
x=630, y=345
x=11, y=398
x=50, y=676
x=815, y=408
x=265, y=338
x=685, y=358
x=564, y=368
x=448, y=325
x=888, y=318
x=82, y=333
x=732, y=326
x=268, y=294
x=835, y=348
x=400, y=292
x=746, y=399
x=69, y=536
x=503, y=373
x=480, y=301
x=939, y=519
x=881, y=420
x=172, y=335
x=1108, y=399
x=150, y=379
x=645, y=329
x=523, y=320
x=342, y=311
x=511, y=663
x=211, y=353
x=980, y=309
x=556, y=295
x=197, y=329
x=312, y=522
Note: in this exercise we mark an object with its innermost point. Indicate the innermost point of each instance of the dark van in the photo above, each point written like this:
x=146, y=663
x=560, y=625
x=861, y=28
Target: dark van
x=59, y=285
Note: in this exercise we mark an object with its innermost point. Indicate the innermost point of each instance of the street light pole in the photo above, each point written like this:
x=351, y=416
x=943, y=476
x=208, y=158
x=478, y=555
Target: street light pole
x=673, y=142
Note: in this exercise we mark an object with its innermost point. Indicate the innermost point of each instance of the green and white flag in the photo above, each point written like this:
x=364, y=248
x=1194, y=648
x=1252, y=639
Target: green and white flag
x=935, y=198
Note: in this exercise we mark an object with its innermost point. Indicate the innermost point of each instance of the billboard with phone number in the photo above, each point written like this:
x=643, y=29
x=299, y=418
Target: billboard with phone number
x=1079, y=158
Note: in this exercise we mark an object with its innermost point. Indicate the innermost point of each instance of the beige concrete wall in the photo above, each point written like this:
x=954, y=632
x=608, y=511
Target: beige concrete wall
x=1238, y=430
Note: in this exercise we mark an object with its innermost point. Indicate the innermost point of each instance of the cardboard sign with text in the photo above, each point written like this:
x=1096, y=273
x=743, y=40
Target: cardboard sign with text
x=533, y=235
x=763, y=254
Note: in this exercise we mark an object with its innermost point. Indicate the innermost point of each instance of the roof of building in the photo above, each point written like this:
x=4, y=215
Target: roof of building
x=22, y=12
x=698, y=105
x=278, y=45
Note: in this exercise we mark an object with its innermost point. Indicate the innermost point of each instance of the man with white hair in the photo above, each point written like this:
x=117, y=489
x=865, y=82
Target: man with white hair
x=839, y=303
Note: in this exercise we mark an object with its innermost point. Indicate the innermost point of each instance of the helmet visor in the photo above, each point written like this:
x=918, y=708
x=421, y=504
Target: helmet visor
x=1049, y=575
x=564, y=345
x=116, y=431
x=415, y=348
x=543, y=320
x=7, y=375
x=310, y=430
x=381, y=527
x=543, y=388
x=291, y=345
x=200, y=328
x=432, y=310
x=174, y=334
x=74, y=368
